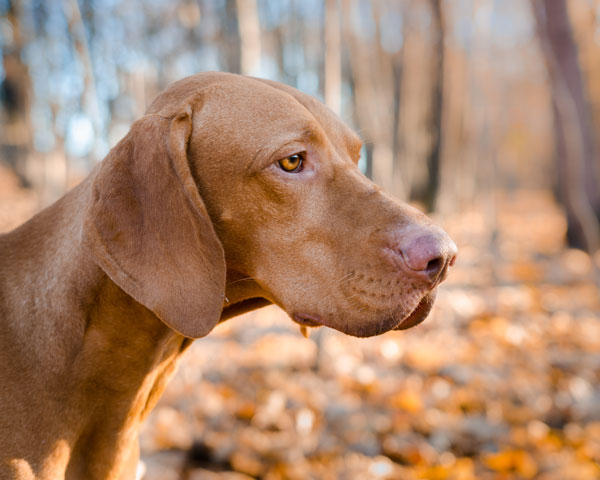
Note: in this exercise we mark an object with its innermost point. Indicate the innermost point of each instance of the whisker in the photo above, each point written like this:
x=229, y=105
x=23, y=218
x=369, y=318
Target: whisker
x=346, y=278
x=239, y=280
x=336, y=283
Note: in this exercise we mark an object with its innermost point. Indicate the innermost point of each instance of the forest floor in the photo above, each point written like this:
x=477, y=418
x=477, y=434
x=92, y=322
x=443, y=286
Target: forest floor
x=502, y=381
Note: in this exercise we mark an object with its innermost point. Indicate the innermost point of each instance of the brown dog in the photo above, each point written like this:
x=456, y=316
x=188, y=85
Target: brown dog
x=230, y=193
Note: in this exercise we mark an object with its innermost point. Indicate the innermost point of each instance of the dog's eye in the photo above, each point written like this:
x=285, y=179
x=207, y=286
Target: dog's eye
x=291, y=164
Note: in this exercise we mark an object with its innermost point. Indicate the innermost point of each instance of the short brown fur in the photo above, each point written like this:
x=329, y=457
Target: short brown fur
x=187, y=222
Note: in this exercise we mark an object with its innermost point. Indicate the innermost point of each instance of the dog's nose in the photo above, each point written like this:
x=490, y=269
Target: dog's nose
x=427, y=252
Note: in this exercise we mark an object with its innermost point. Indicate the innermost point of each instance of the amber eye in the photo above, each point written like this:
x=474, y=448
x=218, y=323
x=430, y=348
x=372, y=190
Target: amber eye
x=291, y=164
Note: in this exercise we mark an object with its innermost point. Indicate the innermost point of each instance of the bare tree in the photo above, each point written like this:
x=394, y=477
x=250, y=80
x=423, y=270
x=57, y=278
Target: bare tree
x=415, y=84
x=89, y=103
x=373, y=81
x=15, y=93
x=333, y=58
x=249, y=28
x=437, y=88
x=577, y=176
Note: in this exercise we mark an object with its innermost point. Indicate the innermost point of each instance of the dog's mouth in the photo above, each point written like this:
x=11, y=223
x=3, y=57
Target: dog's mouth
x=420, y=313
x=307, y=320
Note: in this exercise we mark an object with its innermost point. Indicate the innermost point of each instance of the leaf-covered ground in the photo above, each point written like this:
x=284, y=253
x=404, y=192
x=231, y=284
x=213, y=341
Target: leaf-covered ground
x=501, y=382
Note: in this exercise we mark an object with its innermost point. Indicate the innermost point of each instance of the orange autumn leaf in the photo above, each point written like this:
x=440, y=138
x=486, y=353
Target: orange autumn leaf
x=518, y=461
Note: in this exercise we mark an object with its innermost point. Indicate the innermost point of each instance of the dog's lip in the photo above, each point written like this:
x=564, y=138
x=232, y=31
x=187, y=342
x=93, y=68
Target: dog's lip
x=419, y=314
x=307, y=320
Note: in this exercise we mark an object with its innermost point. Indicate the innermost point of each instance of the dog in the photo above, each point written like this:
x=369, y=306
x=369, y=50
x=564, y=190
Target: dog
x=229, y=194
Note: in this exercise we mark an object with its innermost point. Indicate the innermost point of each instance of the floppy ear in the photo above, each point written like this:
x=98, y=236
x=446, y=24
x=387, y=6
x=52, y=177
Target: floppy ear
x=148, y=229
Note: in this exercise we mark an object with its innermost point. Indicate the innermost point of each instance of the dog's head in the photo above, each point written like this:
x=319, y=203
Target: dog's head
x=239, y=181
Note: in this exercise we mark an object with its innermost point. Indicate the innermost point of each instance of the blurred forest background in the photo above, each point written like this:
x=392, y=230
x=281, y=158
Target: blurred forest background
x=484, y=112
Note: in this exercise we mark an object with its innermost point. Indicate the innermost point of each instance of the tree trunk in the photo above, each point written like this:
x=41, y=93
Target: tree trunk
x=89, y=98
x=575, y=150
x=437, y=87
x=333, y=58
x=373, y=81
x=249, y=28
x=15, y=97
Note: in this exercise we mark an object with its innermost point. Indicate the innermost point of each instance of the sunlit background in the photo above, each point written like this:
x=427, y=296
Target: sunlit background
x=485, y=113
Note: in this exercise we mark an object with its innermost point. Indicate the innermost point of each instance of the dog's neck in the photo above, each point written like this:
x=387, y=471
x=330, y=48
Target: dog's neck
x=126, y=359
x=106, y=358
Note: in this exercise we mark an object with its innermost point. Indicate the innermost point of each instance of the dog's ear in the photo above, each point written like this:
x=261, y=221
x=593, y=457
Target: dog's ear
x=148, y=228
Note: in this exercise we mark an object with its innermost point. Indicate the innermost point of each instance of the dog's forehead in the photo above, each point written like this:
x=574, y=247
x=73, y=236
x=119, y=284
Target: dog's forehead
x=335, y=129
x=230, y=93
x=253, y=103
x=240, y=104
